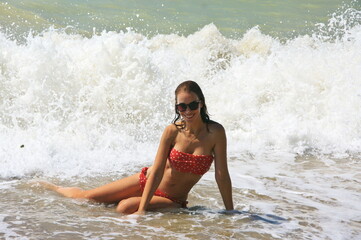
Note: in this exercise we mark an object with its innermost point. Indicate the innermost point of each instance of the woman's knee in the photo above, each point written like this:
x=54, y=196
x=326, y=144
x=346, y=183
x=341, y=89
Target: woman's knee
x=128, y=206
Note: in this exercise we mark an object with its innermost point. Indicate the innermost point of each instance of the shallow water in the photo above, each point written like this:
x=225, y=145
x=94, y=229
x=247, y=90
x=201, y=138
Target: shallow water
x=300, y=198
x=81, y=108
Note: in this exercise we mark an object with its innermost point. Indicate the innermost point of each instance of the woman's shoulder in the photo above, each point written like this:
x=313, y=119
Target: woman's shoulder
x=171, y=127
x=169, y=134
x=215, y=126
x=171, y=130
x=217, y=133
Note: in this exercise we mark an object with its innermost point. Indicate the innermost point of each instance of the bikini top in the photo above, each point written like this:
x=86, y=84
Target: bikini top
x=189, y=163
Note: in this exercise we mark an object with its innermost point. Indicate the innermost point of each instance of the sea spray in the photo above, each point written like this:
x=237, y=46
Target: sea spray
x=81, y=105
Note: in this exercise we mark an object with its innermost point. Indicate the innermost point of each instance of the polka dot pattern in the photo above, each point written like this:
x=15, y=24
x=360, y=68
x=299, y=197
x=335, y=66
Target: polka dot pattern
x=186, y=162
x=159, y=193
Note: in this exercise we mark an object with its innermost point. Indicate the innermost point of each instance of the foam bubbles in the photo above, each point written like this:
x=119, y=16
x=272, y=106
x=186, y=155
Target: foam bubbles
x=85, y=103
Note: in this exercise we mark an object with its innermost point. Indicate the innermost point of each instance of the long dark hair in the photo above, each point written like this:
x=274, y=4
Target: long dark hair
x=191, y=86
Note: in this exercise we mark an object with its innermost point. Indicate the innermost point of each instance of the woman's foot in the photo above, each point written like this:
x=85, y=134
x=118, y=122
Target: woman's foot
x=71, y=192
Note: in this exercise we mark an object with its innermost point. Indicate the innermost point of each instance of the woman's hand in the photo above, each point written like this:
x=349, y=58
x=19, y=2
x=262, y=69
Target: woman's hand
x=135, y=215
x=139, y=213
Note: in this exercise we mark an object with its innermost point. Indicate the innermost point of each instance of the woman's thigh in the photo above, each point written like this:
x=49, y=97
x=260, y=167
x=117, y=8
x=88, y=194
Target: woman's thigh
x=131, y=205
x=116, y=191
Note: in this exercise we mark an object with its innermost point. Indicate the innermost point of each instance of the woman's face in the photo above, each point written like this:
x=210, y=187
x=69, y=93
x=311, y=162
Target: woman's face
x=190, y=100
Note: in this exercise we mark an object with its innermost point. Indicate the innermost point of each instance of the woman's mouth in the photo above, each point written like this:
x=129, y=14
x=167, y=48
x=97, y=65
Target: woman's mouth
x=188, y=116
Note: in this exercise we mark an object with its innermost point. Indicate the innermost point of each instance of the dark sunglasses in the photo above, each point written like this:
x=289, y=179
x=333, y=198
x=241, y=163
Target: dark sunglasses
x=183, y=107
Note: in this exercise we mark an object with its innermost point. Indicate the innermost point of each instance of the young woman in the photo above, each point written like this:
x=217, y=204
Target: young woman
x=186, y=151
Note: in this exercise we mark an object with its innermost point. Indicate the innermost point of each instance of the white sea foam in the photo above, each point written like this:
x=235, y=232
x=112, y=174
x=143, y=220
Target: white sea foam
x=77, y=105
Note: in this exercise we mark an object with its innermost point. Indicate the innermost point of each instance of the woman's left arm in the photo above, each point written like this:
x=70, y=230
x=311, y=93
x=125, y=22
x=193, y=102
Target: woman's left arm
x=221, y=169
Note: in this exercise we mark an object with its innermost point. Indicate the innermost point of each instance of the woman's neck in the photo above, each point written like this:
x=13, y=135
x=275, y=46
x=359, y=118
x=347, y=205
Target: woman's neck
x=194, y=128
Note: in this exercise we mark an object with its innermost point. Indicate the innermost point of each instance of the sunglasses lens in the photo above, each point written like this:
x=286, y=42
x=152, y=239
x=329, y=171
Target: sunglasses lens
x=193, y=105
x=181, y=107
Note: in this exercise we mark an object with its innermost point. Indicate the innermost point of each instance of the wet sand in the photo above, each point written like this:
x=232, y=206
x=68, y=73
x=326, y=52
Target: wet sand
x=307, y=198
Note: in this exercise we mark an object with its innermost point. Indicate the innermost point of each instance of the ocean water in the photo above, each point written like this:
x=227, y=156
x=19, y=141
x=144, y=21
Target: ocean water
x=86, y=88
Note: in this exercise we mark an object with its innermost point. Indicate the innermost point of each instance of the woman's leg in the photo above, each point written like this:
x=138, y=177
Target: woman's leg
x=110, y=193
x=131, y=205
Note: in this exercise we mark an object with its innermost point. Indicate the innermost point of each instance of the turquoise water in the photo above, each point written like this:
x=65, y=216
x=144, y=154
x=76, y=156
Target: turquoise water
x=279, y=18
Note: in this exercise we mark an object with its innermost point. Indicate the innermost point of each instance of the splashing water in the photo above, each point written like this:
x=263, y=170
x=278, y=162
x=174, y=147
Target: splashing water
x=88, y=110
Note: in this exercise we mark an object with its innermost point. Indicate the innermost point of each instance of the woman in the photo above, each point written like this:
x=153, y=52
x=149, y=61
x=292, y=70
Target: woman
x=186, y=151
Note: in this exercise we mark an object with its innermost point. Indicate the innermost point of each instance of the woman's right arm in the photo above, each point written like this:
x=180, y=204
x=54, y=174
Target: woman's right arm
x=157, y=172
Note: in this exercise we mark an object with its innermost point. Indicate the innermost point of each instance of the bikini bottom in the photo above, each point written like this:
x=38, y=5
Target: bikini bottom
x=159, y=193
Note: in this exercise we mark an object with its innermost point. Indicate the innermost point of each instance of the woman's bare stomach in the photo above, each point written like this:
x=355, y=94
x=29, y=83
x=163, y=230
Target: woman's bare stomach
x=176, y=184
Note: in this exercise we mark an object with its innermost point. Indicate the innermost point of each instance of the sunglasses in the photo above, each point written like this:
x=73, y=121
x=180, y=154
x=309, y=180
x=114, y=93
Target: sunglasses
x=182, y=107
